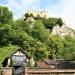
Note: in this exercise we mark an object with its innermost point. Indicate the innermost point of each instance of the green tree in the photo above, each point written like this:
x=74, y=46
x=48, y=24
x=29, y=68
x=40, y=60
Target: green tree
x=54, y=46
x=6, y=16
x=40, y=32
x=29, y=15
x=50, y=22
x=60, y=22
x=68, y=49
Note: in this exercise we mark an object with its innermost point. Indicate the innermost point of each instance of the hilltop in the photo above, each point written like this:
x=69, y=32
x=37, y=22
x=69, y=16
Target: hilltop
x=39, y=36
x=57, y=29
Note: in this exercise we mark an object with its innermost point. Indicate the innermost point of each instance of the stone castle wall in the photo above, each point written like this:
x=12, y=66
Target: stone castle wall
x=40, y=13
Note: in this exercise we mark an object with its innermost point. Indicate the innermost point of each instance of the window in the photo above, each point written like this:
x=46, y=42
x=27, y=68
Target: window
x=19, y=58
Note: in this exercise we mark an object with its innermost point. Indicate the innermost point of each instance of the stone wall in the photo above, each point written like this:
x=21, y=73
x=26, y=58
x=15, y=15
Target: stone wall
x=40, y=13
x=6, y=71
x=48, y=72
x=29, y=71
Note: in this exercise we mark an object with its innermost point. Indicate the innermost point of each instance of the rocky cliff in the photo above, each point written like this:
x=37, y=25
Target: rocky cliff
x=56, y=30
x=62, y=31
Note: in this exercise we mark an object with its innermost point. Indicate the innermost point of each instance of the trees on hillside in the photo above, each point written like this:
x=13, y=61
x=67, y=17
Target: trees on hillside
x=35, y=37
x=6, y=16
x=40, y=32
x=50, y=22
x=68, y=49
x=6, y=20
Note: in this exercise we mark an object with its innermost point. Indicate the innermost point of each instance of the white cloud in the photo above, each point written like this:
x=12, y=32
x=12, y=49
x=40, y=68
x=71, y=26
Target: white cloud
x=63, y=8
x=66, y=10
x=19, y=7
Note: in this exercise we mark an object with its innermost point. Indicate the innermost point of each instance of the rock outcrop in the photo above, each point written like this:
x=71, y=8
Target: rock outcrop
x=38, y=13
x=63, y=31
x=35, y=14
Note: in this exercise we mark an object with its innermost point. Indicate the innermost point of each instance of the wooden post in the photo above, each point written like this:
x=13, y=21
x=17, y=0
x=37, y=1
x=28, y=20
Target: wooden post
x=26, y=71
x=2, y=72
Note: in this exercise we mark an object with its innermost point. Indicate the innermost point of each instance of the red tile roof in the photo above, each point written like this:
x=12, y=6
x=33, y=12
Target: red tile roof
x=42, y=64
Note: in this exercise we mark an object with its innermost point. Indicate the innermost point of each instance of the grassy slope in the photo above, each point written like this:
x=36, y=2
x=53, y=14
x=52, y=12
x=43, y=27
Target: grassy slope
x=6, y=52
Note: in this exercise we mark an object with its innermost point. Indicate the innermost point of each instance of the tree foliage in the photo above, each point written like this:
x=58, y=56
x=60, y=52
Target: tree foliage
x=50, y=22
x=5, y=15
x=34, y=37
x=68, y=49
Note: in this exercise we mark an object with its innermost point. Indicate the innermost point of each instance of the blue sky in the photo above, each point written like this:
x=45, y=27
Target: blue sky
x=56, y=8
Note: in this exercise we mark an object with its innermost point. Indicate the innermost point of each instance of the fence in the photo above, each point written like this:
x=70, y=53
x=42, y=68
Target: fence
x=6, y=71
x=29, y=71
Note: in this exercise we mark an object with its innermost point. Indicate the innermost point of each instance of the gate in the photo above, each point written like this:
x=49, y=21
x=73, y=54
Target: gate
x=19, y=70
